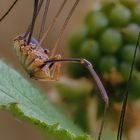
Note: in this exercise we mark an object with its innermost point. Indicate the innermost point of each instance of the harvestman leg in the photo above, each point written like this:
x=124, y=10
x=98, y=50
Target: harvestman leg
x=36, y=3
x=63, y=27
x=53, y=22
x=38, y=9
x=97, y=80
x=89, y=66
x=44, y=19
x=122, y=116
x=7, y=12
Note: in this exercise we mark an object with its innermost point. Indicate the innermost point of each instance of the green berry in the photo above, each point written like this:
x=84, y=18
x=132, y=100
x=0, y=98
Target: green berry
x=120, y=15
x=129, y=3
x=111, y=41
x=107, y=64
x=77, y=39
x=127, y=53
x=131, y=33
x=125, y=70
x=110, y=44
x=107, y=6
x=90, y=50
x=136, y=13
x=96, y=22
x=135, y=86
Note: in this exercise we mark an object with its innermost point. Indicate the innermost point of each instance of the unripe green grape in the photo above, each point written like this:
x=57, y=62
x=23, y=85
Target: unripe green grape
x=96, y=22
x=107, y=64
x=125, y=70
x=77, y=39
x=135, y=87
x=131, y=33
x=90, y=50
x=107, y=7
x=120, y=15
x=129, y=3
x=111, y=41
x=127, y=53
x=136, y=13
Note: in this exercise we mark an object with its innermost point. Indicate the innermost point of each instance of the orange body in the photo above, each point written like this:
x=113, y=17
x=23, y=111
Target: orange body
x=33, y=59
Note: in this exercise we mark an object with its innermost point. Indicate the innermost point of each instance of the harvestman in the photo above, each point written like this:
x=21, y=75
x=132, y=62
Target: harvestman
x=37, y=61
x=41, y=65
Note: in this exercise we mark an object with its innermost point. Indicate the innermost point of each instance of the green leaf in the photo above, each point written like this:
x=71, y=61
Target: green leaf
x=19, y=97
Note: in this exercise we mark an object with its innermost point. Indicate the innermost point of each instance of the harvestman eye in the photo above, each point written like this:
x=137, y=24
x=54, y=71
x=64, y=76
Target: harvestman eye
x=46, y=51
x=8, y=11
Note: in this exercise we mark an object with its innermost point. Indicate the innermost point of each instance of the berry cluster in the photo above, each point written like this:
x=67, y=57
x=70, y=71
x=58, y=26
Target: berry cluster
x=108, y=39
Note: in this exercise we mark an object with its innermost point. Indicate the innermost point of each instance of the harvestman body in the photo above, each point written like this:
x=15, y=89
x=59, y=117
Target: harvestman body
x=34, y=58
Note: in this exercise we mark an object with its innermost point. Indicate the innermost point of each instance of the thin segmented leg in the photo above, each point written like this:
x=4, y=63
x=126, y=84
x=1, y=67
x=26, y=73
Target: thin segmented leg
x=89, y=66
x=98, y=82
x=125, y=100
x=53, y=22
x=7, y=12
